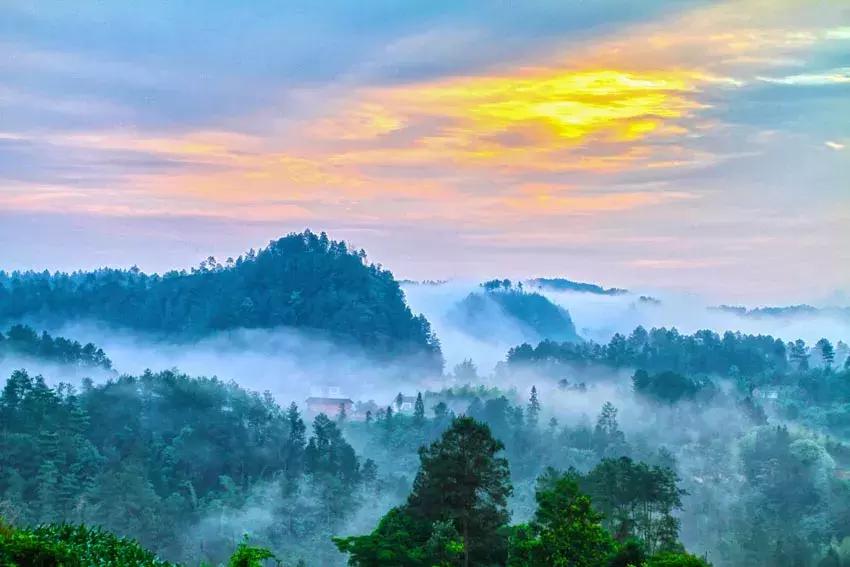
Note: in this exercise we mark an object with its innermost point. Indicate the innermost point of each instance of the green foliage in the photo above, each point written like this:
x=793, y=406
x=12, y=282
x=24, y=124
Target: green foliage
x=458, y=505
x=250, y=556
x=670, y=387
x=71, y=546
x=673, y=559
x=65, y=545
x=463, y=480
x=398, y=541
x=302, y=280
x=151, y=456
x=23, y=341
x=565, y=531
x=630, y=554
x=636, y=500
x=661, y=350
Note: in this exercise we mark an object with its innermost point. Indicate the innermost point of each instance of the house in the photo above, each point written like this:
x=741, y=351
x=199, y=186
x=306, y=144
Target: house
x=404, y=404
x=329, y=406
x=766, y=393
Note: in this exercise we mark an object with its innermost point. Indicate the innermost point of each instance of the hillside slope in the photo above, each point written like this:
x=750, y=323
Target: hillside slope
x=479, y=314
x=304, y=280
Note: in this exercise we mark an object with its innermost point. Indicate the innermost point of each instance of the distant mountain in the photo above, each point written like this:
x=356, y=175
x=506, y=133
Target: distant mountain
x=479, y=314
x=561, y=284
x=306, y=281
x=431, y=283
x=788, y=311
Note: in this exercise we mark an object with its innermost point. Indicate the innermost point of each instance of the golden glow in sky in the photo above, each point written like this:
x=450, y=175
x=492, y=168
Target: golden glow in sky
x=721, y=112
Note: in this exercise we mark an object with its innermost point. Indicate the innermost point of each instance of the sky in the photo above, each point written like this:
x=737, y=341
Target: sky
x=681, y=145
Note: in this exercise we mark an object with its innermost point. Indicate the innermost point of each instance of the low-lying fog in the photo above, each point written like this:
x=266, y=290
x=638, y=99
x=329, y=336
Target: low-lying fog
x=598, y=317
x=293, y=364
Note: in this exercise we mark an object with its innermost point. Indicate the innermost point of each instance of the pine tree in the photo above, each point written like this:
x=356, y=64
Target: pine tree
x=827, y=352
x=47, y=492
x=607, y=431
x=456, y=513
x=419, y=410
x=565, y=529
x=462, y=479
x=296, y=443
x=533, y=413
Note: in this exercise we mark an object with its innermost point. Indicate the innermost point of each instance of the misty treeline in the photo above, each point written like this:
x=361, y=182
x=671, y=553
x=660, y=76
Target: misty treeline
x=734, y=447
x=155, y=456
x=704, y=352
x=189, y=465
x=304, y=281
x=457, y=513
x=179, y=463
x=22, y=341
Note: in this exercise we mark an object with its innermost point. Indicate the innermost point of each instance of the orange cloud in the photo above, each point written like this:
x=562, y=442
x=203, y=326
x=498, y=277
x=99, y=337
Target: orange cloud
x=548, y=200
x=471, y=145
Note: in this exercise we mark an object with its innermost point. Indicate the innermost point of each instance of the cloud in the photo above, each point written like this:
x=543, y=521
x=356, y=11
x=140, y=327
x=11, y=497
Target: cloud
x=830, y=77
x=525, y=128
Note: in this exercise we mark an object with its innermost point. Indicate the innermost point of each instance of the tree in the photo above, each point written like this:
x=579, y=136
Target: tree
x=419, y=410
x=398, y=541
x=441, y=410
x=250, y=556
x=466, y=371
x=799, y=354
x=827, y=352
x=533, y=413
x=630, y=554
x=462, y=479
x=565, y=531
x=636, y=500
x=607, y=436
x=457, y=509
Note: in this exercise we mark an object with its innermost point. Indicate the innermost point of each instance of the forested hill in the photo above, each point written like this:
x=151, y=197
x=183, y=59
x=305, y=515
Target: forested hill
x=562, y=284
x=539, y=318
x=302, y=280
x=23, y=341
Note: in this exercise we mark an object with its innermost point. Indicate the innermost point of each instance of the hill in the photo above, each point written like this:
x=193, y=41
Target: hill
x=21, y=340
x=538, y=317
x=561, y=284
x=304, y=280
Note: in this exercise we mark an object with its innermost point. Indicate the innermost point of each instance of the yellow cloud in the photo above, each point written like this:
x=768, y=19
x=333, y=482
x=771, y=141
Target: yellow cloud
x=520, y=120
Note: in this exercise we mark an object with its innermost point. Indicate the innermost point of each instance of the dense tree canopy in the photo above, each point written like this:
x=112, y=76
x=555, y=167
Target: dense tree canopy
x=302, y=280
x=24, y=341
x=660, y=350
x=152, y=456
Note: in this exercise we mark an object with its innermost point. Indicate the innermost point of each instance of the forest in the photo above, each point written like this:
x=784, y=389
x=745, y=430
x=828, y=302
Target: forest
x=657, y=448
x=24, y=341
x=305, y=281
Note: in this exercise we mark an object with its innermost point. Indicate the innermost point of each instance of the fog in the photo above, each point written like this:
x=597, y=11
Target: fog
x=294, y=364
x=703, y=440
x=598, y=317
x=289, y=363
